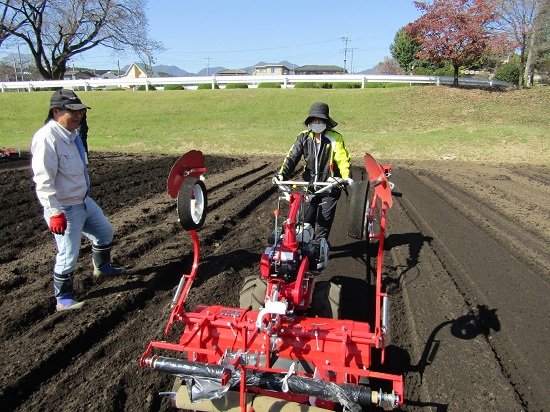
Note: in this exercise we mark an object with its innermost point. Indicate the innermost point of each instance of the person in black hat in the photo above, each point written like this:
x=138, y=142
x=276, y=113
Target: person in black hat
x=325, y=155
x=63, y=188
x=82, y=132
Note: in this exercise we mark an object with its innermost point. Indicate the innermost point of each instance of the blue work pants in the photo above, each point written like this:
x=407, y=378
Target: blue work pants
x=84, y=219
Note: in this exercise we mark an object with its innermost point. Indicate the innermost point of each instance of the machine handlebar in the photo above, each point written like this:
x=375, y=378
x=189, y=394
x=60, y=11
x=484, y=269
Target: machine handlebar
x=289, y=185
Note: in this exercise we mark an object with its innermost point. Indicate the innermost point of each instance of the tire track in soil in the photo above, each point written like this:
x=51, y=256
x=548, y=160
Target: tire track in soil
x=475, y=262
x=124, y=309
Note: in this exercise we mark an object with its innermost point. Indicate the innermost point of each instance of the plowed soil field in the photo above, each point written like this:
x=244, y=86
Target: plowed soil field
x=466, y=266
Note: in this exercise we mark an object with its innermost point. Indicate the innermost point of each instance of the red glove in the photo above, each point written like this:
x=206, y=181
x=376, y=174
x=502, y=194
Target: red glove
x=58, y=224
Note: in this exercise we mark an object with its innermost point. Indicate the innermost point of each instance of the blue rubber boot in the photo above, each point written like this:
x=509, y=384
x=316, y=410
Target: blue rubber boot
x=63, y=292
x=101, y=257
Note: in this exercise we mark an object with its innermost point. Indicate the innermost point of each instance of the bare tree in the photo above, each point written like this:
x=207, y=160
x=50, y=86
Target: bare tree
x=539, y=44
x=16, y=66
x=8, y=18
x=57, y=30
x=518, y=19
x=389, y=66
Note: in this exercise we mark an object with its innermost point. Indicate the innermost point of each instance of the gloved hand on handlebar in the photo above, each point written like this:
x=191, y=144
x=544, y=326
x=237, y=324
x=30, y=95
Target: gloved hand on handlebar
x=350, y=182
x=277, y=178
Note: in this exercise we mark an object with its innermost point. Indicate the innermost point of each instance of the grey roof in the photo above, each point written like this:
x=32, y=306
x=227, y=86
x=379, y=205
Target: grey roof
x=232, y=72
x=318, y=68
x=272, y=65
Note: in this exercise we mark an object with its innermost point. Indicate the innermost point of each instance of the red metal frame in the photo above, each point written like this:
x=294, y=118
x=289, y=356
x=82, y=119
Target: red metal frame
x=298, y=293
x=338, y=350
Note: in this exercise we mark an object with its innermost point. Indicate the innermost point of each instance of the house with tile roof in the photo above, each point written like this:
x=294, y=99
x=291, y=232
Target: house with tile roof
x=271, y=70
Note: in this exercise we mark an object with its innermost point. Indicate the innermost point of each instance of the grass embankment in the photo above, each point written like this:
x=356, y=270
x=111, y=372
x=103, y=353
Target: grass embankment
x=395, y=123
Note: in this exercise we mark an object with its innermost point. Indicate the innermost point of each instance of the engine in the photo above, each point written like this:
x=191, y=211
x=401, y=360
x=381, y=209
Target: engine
x=283, y=262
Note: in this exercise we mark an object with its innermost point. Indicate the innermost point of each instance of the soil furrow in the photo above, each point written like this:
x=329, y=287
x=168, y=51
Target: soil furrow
x=467, y=313
x=511, y=234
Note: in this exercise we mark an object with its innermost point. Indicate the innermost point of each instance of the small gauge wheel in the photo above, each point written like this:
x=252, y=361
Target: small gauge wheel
x=192, y=203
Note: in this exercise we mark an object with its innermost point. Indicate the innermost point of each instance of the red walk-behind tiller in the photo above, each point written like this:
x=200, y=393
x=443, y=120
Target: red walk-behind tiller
x=9, y=153
x=275, y=355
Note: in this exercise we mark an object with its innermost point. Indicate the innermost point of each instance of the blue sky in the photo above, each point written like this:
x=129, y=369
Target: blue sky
x=236, y=34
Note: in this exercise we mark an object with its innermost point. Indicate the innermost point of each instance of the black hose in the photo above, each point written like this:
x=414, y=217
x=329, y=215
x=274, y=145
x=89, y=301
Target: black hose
x=351, y=396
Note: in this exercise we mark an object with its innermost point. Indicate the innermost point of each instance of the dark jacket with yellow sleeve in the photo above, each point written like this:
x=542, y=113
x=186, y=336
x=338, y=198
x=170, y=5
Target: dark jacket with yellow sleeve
x=329, y=158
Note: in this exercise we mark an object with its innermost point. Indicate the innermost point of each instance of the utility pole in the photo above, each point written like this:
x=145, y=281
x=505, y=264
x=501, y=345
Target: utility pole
x=20, y=64
x=207, y=64
x=346, y=40
x=351, y=64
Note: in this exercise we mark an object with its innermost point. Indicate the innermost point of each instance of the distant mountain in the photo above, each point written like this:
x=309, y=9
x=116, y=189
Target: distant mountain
x=209, y=71
x=248, y=69
x=374, y=70
x=171, y=70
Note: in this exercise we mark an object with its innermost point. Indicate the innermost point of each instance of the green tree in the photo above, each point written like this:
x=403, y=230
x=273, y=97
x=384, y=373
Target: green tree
x=508, y=72
x=404, y=49
x=57, y=30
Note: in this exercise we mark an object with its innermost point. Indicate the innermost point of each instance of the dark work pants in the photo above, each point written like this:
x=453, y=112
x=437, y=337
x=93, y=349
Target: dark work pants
x=322, y=210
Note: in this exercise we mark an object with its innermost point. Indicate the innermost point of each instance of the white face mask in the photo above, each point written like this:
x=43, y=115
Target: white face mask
x=317, y=127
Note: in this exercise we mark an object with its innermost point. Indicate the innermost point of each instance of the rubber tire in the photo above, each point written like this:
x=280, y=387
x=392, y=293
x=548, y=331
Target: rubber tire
x=357, y=210
x=252, y=294
x=325, y=300
x=190, y=189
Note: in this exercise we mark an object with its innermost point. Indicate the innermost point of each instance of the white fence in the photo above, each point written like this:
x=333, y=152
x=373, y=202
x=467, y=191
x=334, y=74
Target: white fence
x=285, y=81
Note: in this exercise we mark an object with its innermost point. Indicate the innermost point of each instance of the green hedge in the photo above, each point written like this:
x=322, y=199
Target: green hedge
x=173, y=87
x=508, y=72
x=236, y=86
x=346, y=85
x=142, y=88
x=374, y=85
x=207, y=86
x=269, y=86
x=312, y=85
x=305, y=85
x=386, y=85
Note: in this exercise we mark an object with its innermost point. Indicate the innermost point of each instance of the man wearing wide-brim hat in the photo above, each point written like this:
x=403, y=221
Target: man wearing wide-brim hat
x=63, y=188
x=325, y=155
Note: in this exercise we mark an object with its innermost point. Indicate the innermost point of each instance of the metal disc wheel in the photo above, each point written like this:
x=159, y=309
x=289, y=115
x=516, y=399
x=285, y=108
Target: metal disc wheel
x=192, y=203
x=357, y=211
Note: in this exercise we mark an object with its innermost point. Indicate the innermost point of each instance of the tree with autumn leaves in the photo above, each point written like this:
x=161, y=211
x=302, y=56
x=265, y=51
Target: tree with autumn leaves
x=456, y=31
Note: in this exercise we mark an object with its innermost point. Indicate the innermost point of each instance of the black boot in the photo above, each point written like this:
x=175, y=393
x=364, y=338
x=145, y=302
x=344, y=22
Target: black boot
x=101, y=257
x=63, y=292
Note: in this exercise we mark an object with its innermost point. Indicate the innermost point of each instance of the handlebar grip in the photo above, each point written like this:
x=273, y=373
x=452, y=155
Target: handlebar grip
x=397, y=194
